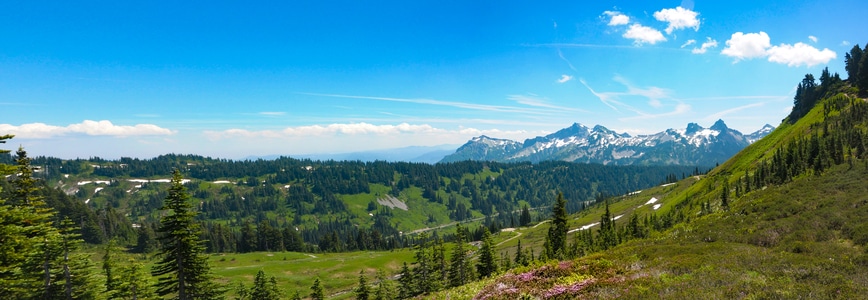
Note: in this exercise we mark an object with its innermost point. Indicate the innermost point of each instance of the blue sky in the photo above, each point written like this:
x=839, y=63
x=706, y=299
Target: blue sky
x=223, y=79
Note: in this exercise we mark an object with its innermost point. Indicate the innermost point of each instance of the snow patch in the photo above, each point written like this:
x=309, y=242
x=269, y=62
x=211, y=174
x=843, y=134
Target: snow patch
x=617, y=217
x=652, y=201
x=86, y=201
x=656, y=206
x=634, y=193
x=586, y=227
x=221, y=182
x=668, y=184
x=94, y=182
x=97, y=190
x=392, y=202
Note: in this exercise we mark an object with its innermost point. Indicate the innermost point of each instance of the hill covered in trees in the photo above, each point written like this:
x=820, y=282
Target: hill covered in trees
x=305, y=205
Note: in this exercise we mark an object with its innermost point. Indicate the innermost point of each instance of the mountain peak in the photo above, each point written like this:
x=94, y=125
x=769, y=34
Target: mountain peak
x=719, y=126
x=693, y=128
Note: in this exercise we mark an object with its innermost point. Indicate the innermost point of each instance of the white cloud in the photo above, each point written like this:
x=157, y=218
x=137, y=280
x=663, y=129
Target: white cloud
x=709, y=43
x=272, y=113
x=327, y=130
x=87, y=127
x=642, y=34
x=617, y=18
x=688, y=43
x=800, y=54
x=752, y=45
x=564, y=78
x=721, y=114
x=845, y=43
x=535, y=101
x=678, y=18
x=747, y=46
x=812, y=38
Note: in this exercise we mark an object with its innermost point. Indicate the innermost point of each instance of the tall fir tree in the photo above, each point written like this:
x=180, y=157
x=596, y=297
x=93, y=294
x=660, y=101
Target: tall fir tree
x=487, y=264
x=183, y=269
x=556, y=240
x=460, y=267
x=316, y=291
x=363, y=291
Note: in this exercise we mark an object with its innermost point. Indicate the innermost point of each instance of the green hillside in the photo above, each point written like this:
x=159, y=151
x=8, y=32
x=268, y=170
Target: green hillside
x=785, y=218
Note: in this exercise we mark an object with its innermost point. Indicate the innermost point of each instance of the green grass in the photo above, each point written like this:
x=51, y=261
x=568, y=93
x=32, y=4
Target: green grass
x=338, y=272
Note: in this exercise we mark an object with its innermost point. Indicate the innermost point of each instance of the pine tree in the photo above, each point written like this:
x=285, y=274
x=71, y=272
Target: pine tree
x=132, y=282
x=362, y=291
x=316, y=292
x=385, y=287
x=556, y=240
x=264, y=288
x=487, y=264
x=407, y=286
x=460, y=268
x=183, y=269
x=40, y=239
x=524, y=219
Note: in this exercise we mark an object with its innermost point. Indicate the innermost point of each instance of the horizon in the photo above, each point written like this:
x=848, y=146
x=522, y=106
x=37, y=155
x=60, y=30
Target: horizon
x=217, y=80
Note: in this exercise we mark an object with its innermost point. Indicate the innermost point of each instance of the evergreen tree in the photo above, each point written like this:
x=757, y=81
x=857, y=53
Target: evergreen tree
x=851, y=63
x=132, y=282
x=316, y=292
x=487, y=264
x=362, y=291
x=556, y=240
x=183, y=269
x=407, y=287
x=385, y=287
x=524, y=219
x=608, y=237
x=460, y=268
x=40, y=241
x=264, y=288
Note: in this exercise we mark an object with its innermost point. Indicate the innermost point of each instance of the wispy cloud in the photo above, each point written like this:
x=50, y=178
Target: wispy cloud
x=353, y=129
x=87, y=127
x=272, y=113
x=688, y=43
x=680, y=109
x=655, y=95
x=812, y=38
x=708, y=44
x=561, y=55
x=728, y=98
x=721, y=114
x=564, y=78
x=532, y=100
x=464, y=105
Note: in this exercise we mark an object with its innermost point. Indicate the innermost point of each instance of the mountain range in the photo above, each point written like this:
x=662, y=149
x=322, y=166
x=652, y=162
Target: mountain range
x=693, y=145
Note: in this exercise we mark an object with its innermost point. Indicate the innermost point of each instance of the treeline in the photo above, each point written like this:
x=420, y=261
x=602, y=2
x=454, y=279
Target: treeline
x=299, y=205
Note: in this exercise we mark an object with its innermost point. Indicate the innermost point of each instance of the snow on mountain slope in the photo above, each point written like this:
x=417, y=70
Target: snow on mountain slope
x=694, y=145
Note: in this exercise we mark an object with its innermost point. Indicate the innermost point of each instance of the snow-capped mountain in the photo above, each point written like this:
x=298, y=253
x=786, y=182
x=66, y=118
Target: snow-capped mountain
x=694, y=145
x=753, y=137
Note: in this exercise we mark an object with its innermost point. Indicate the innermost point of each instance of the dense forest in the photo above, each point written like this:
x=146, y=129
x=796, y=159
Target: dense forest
x=304, y=205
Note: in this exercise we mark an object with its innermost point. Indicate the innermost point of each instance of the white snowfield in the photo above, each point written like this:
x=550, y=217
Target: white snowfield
x=652, y=201
x=94, y=182
x=221, y=182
